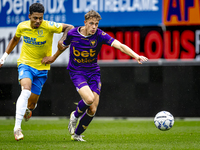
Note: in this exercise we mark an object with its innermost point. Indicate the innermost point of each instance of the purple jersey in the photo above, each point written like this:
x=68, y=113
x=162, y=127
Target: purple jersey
x=85, y=49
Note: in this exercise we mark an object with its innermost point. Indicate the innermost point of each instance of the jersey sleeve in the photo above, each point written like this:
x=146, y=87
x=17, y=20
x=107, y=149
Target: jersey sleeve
x=18, y=31
x=67, y=41
x=55, y=27
x=106, y=38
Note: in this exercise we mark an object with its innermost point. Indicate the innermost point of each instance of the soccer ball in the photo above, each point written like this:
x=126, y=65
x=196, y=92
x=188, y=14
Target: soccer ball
x=164, y=120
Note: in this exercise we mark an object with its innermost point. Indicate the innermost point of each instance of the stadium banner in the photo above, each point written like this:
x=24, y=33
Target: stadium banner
x=181, y=12
x=8, y=33
x=170, y=43
x=114, y=12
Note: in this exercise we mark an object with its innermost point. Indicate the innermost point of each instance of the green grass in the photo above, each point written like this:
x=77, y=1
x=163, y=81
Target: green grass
x=101, y=135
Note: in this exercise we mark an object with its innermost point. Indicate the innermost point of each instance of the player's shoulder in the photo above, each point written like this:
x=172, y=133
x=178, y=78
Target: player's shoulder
x=46, y=23
x=24, y=23
x=100, y=32
x=73, y=31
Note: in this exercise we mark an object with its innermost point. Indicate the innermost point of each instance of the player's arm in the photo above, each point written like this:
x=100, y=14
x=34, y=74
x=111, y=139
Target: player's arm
x=51, y=59
x=11, y=45
x=64, y=42
x=66, y=28
x=125, y=49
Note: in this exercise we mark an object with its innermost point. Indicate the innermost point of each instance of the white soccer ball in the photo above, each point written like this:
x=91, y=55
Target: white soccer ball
x=164, y=120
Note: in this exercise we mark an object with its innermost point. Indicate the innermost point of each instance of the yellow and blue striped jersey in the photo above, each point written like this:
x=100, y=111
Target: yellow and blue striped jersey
x=37, y=43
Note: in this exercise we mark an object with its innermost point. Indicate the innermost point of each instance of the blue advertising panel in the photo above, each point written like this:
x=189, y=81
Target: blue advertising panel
x=113, y=12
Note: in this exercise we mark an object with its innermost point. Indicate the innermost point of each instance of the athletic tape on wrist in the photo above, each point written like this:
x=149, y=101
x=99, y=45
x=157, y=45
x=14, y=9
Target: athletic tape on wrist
x=5, y=55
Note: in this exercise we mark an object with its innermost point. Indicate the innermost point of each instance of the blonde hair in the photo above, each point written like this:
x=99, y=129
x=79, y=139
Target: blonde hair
x=92, y=14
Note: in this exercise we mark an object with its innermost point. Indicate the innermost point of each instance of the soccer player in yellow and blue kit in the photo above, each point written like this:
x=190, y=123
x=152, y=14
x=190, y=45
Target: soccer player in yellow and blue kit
x=37, y=43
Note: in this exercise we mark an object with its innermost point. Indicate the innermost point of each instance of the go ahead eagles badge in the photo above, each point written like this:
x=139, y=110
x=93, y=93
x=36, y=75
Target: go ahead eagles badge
x=93, y=43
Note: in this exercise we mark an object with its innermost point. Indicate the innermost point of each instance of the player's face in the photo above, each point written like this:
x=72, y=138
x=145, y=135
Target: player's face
x=36, y=19
x=91, y=25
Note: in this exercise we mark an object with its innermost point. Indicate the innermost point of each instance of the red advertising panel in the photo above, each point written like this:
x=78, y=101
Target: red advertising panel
x=176, y=42
x=181, y=12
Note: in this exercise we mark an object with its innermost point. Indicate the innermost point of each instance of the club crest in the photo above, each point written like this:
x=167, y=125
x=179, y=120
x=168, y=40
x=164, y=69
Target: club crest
x=40, y=32
x=93, y=43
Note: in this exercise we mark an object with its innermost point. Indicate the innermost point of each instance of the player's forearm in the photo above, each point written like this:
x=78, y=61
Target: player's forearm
x=125, y=49
x=11, y=45
x=55, y=56
x=66, y=29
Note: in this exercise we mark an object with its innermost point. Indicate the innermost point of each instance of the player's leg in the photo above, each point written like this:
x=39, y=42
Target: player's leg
x=21, y=106
x=94, y=83
x=86, y=119
x=32, y=101
x=87, y=99
x=28, y=84
x=39, y=79
x=32, y=104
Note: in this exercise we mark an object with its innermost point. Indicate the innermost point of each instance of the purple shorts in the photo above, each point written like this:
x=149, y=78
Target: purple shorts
x=92, y=79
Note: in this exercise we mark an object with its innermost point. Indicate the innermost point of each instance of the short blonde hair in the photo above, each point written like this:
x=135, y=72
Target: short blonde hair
x=92, y=14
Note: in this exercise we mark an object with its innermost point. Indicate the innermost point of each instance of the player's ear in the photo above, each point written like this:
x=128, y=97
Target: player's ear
x=85, y=22
x=29, y=16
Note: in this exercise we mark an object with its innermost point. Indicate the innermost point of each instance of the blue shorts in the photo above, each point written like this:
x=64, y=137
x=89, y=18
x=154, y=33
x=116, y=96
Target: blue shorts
x=92, y=79
x=38, y=77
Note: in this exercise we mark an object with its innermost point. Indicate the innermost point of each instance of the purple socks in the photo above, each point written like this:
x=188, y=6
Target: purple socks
x=81, y=108
x=83, y=123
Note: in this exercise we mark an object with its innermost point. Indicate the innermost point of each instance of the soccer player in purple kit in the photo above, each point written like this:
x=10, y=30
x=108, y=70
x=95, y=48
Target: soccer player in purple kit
x=86, y=42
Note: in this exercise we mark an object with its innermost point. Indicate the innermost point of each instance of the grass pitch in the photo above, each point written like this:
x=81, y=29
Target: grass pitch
x=101, y=135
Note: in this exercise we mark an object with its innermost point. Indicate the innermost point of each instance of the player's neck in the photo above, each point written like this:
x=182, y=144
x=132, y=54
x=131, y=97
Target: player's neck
x=83, y=31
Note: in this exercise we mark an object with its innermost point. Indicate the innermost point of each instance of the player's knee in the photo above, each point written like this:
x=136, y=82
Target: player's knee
x=90, y=99
x=26, y=87
x=92, y=111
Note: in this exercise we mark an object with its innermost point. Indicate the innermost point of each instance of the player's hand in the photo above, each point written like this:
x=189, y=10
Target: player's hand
x=1, y=62
x=141, y=58
x=61, y=46
x=48, y=60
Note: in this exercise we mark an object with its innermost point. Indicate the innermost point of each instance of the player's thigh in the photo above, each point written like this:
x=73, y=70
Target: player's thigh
x=25, y=76
x=26, y=83
x=39, y=81
x=94, y=82
x=86, y=94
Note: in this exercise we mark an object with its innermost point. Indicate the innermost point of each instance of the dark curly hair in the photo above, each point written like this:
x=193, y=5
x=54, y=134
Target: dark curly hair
x=36, y=7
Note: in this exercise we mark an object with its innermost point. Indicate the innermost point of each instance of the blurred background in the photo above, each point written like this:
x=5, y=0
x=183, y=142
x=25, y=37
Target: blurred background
x=165, y=31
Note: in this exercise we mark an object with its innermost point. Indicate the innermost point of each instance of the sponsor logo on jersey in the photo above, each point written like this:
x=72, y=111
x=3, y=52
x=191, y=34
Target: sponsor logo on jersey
x=51, y=23
x=33, y=41
x=103, y=33
x=57, y=25
x=84, y=56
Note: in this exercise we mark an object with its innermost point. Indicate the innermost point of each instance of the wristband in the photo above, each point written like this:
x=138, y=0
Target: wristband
x=5, y=55
x=3, y=58
x=64, y=45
